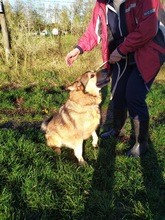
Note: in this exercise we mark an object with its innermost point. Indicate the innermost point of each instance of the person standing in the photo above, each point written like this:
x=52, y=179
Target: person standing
x=134, y=46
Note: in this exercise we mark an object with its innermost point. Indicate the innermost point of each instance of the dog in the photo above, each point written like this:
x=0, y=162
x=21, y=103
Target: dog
x=79, y=117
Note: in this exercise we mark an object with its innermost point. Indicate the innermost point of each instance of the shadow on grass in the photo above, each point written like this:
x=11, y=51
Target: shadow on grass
x=152, y=164
x=102, y=202
x=154, y=183
x=20, y=125
x=100, y=199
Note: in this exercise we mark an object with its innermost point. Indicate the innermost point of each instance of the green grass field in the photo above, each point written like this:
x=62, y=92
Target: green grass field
x=37, y=184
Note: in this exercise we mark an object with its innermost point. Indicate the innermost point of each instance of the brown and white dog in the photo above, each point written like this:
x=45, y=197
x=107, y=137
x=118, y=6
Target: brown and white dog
x=79, y=117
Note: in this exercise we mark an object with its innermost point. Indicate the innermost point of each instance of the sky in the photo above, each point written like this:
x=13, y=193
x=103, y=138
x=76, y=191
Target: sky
x=45, y=2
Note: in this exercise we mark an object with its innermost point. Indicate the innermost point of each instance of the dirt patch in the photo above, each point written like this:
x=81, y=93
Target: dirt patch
x=18, y=111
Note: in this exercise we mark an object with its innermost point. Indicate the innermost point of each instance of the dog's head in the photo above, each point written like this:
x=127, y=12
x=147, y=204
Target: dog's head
x=90, y=82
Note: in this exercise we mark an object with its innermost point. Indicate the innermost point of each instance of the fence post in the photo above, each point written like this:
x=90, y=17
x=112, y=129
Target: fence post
x=5, y=33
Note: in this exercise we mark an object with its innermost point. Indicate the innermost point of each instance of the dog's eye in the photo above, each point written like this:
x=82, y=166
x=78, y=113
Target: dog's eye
x=92, y=75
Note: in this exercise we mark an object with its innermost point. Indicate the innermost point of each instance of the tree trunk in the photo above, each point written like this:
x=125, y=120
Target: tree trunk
x=5, y=33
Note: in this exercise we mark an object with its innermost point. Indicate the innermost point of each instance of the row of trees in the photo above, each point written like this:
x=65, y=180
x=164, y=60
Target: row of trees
x=26, y=17
x=29, y=16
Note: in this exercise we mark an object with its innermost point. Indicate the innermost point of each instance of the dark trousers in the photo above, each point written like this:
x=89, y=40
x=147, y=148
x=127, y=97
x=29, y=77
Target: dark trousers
x=131, y=91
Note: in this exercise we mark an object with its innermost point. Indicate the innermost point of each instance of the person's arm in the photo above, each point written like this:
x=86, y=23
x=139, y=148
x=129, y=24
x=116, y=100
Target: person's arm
x=92, y=36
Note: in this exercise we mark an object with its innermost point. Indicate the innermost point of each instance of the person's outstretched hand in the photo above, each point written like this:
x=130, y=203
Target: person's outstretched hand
x=72, y=56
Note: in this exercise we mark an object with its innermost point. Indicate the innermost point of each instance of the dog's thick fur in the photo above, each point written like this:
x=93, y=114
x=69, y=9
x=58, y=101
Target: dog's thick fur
x=79, y=117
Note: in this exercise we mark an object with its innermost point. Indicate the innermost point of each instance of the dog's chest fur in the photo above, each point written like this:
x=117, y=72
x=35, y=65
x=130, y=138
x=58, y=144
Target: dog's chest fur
x=80, y=114
x=84, y=104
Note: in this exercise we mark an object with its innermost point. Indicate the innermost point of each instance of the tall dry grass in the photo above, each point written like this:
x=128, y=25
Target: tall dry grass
x=41, y=59
x=37, y=59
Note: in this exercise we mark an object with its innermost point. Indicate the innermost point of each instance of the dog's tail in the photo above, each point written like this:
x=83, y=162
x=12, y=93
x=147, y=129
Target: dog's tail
x=45, y=124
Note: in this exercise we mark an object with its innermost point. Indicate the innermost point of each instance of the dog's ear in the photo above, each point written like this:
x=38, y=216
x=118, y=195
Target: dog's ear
x=84, y=79
x=80, y=83
x=74, y=86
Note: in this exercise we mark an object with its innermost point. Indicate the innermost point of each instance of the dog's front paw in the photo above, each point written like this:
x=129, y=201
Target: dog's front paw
x=95, y=145
x=95, y=139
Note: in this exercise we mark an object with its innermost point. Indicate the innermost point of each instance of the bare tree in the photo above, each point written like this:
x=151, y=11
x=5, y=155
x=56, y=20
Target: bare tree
x=65, y=19
x=81, y=14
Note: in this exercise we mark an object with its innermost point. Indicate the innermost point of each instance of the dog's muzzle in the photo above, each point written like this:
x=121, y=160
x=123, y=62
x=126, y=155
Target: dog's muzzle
x=103, y=78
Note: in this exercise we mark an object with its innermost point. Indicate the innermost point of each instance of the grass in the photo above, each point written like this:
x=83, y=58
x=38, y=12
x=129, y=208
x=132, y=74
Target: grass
x=37, y=184
x=40, y=60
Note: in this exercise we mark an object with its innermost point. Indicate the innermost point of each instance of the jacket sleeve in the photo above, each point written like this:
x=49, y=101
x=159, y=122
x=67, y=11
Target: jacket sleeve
x=146, y=29
x=92, y=36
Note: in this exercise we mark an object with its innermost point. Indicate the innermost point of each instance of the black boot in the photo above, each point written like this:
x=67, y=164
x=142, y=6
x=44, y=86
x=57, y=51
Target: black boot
x=119, y=119
x=141, y=136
